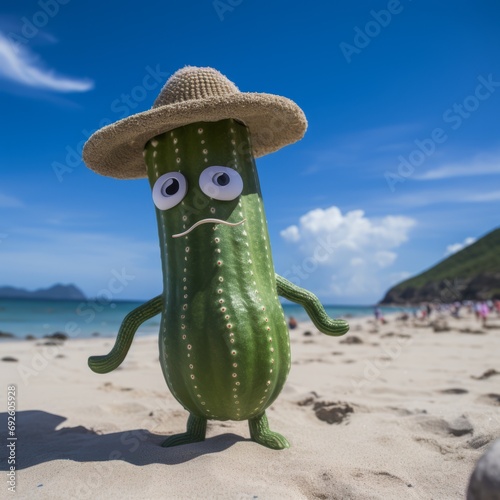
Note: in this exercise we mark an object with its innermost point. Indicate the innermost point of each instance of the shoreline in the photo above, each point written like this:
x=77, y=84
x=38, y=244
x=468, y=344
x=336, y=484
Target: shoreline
x=388, y=312
x=105, y=320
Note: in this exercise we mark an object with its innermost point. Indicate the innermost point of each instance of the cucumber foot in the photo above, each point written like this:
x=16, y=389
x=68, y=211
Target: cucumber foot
x=196, y=430
x=260, y=433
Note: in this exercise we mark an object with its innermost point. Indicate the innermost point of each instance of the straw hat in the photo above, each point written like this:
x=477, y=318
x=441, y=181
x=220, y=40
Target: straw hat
x=193, y=95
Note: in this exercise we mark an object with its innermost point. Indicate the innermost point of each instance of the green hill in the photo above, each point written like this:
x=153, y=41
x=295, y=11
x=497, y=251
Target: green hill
x=473, y=273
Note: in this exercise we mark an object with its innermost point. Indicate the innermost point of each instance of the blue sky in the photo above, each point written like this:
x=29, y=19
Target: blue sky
x=400, y=164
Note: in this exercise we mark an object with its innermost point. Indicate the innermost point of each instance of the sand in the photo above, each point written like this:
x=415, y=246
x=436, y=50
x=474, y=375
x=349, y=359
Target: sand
x=403, y=413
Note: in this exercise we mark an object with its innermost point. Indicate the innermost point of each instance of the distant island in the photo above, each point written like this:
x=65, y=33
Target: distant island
x=55, y=292
x=473, y=273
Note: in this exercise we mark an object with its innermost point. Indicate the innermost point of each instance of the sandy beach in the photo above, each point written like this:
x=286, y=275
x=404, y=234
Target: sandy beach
x=388, y=411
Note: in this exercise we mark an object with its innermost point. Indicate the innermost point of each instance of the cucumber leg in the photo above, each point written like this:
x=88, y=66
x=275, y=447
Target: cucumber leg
x=313, y=307
x=262, y=434
x=195, y=432
x=134, y=319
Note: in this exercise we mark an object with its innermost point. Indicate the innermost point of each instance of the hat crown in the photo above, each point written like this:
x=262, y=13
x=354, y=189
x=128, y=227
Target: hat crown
x=193, y=83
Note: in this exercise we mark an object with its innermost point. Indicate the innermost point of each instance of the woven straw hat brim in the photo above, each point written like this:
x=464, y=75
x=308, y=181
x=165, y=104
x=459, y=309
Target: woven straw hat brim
x=117, y=149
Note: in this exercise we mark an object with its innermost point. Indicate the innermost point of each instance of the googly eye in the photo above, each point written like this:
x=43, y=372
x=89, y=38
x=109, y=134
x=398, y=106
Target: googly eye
x=221, y=183
x=169, y=190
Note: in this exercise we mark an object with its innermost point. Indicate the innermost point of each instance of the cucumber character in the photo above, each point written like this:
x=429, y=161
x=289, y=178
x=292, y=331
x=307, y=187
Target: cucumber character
x=224, y=343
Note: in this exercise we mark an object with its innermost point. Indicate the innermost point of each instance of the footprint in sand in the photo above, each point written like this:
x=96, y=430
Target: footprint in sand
x=400, y=335
x=487, y=374
x=311, y=360
x=307, y=399
x=479, y=441
x=474, y=332
x=454, y=390
x=351, y=340
x=391, y=478
x=332, y=413
x=490, y=399
x=435, y=425
x=108, y=386
x=327, y=411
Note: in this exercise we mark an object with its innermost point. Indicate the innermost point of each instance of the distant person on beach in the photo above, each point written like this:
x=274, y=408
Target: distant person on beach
x=484, y=311
x=477, y=310
x=423, y=313
x=497, y=307
x=428, y=308
x=455, y=310
x=378, y=315
x=292, y=323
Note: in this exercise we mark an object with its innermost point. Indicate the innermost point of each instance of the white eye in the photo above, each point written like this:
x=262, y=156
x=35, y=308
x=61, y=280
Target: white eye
x=169, y=190
x=221, y=183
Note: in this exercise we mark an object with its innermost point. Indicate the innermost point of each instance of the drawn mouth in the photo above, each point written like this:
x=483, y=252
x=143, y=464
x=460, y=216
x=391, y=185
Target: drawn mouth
x=207, y=221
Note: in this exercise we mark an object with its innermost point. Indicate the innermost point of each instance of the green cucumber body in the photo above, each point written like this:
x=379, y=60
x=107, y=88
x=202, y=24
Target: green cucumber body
x=224, y=343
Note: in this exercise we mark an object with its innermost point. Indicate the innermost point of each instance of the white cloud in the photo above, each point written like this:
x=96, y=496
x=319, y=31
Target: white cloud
x=479, y=165
x=19, y=64
x=291, y=234
x=451, y=249
x=385, y=258
x=483, y=197
x=345, y=255
x=357, y=262
x=450, y=195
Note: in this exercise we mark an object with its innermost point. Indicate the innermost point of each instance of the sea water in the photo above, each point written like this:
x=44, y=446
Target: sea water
x=87, y=318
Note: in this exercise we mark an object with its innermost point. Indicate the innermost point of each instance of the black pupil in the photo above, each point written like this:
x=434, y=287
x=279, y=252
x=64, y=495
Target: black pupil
x=222, y=179
x=172, y=187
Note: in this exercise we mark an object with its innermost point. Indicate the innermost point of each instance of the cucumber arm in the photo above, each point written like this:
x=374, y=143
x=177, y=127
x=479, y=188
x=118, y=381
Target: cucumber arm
x=134, y=319
x=313, y=307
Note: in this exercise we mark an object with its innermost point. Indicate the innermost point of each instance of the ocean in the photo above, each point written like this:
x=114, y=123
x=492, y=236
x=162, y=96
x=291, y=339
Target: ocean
x=83, y=319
